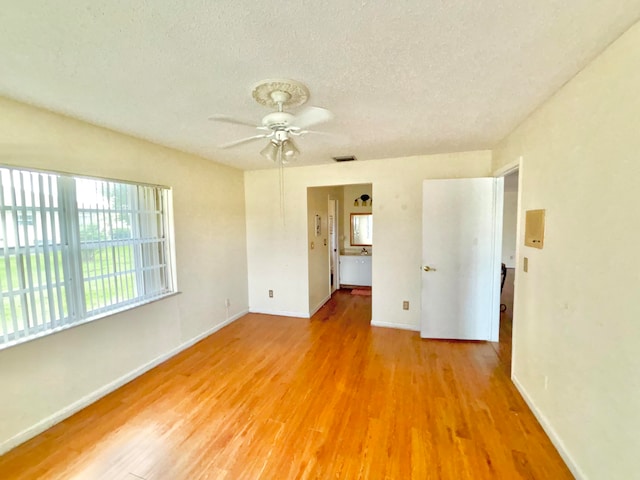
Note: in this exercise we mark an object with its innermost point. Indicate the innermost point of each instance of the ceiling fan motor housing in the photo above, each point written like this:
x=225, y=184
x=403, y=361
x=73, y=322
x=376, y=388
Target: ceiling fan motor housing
x=280, y=136
x=278, y=121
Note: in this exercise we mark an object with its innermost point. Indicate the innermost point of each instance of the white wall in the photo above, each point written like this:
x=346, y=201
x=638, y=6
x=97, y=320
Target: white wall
x=577, y=311
x=277, y=247
x=47, y=378
x=509, y=224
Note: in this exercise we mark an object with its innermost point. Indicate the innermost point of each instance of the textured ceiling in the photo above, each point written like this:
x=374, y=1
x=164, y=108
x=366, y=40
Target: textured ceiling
x=402, y=78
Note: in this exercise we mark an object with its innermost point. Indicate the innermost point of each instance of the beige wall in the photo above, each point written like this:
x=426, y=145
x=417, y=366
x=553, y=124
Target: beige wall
x=577, y=313
x=277, y=247
x=50, y=377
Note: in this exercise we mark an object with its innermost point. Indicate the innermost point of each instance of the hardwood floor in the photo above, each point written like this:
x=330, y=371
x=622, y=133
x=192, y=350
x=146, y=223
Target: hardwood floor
x=503, y=346
x=286, y=398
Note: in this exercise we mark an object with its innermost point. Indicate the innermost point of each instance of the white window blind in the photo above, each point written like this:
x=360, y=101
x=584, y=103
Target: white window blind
x=77, y=248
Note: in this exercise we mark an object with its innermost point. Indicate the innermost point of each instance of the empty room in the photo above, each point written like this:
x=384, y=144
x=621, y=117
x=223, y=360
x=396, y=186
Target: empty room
x=267, y=241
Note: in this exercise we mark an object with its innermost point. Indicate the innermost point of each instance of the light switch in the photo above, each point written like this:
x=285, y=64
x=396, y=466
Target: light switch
x=525, y=264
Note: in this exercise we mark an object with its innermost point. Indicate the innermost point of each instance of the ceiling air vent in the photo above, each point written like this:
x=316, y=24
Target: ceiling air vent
x=345, y=158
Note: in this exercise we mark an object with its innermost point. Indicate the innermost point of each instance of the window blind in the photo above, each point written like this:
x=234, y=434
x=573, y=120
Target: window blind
x=77, y=248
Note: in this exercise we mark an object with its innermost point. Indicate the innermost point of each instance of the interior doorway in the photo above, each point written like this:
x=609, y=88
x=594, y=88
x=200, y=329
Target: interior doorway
x=355, y=245
x=504, y=346
x=337, y=259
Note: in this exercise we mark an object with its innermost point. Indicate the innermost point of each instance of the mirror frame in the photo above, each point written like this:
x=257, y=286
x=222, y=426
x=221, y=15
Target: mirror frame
x=352, y=223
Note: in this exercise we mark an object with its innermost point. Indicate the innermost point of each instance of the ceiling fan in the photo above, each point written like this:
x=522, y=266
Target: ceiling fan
x=280, y=126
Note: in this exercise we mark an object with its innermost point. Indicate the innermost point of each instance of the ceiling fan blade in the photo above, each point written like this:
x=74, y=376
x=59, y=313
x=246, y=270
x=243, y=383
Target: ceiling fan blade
x=335, y=136
x=312, y=116
x=244, y=140
x=226, y=119
x=318, y=132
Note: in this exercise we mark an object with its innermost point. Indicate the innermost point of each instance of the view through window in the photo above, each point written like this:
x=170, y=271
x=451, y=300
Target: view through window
x=77, y=248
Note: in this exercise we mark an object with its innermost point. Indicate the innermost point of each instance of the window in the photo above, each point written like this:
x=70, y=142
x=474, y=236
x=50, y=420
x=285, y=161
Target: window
x=75, y=249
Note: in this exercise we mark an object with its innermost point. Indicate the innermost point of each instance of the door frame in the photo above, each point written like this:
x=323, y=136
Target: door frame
x=512, y=167
x=334, y=248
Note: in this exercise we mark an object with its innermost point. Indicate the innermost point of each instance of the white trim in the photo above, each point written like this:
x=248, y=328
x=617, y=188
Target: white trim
x=171, y=238
x=320, y=305
x=517, y=271
x=551, y=433
x=400, y=326
x=334, y=256
x=508, y=168
x=280, y=313
x=92, y=397
x=512, y=167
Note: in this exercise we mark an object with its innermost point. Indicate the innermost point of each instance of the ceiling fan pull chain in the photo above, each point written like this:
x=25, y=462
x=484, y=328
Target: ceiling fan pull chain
x=281, y=168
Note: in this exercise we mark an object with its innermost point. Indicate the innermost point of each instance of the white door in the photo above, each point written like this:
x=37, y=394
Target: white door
x=461, y=247
x=334, y=254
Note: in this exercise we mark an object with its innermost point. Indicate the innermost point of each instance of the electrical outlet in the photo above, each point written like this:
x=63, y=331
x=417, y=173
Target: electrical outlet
x=525, y=264
x=227, y=303
x=270, y=293
x=405, y=305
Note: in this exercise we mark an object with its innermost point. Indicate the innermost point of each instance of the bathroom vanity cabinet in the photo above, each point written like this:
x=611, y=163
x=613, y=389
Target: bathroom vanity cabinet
x=355, y=270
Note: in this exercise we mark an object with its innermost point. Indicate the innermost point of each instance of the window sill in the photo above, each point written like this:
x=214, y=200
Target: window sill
x=46, y=333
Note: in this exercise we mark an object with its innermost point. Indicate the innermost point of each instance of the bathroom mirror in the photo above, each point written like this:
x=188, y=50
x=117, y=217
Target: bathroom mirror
x=361, y=229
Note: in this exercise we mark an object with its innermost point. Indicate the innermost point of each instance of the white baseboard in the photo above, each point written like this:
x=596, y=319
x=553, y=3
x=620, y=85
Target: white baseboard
x=401, y=326
x=87, y=400
x=319, y=306
x=549, y=430
x=280, y=313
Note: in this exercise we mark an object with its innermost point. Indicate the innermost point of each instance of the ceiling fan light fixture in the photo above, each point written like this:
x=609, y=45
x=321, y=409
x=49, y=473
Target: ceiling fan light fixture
x=280, y=125
x=270, y=152
x=289, y=151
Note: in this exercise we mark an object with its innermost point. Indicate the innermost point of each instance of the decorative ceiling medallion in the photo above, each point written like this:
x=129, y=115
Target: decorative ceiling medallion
x=271, y=92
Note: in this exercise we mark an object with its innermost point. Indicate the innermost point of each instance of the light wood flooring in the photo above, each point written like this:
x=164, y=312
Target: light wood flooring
x=286, y=398
x=503, y=346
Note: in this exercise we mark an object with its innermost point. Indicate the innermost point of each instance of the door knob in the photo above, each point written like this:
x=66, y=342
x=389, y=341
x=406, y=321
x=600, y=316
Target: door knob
x=427, y=268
